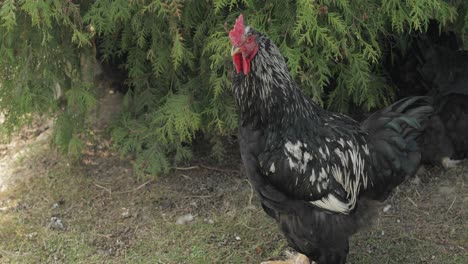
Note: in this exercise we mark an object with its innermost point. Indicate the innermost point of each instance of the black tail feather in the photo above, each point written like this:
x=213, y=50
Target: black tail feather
x=393, y=133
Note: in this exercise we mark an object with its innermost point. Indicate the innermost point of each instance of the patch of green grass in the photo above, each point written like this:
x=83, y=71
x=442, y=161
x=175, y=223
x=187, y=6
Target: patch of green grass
x=24, y=223
x=96, y=230
x=227, y=240
x=400, y=248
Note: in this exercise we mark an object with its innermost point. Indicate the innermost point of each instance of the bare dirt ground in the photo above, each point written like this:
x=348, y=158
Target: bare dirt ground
x=98, y=211
x=33, y=138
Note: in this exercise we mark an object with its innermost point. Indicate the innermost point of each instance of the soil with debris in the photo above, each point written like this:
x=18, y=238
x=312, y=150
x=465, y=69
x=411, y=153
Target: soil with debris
x=33, y=138
x=99, y=211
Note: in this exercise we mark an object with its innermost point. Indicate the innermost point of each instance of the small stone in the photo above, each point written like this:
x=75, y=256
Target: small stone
x=55, y=206
x=31, y=235
x=387, y=208
x=398, y=221
x=125, y=213
x=433, y=257
x=238, y=238
x=184, y=219
x=210, y=221
x=56, y=223
x=119, y=243
x=383, y=233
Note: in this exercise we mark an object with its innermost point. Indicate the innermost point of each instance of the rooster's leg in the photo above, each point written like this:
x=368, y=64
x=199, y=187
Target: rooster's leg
x=296, y=259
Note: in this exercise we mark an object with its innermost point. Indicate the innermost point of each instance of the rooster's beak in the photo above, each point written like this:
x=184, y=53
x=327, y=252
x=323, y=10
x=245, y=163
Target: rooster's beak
x=235, y=50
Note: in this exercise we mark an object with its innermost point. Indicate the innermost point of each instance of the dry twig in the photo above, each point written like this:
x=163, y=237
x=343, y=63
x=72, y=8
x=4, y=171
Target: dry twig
x=136, y=189
x=205, y=167
x=450, y=207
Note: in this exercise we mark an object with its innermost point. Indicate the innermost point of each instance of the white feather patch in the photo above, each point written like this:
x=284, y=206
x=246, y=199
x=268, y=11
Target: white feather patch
x=341, y=142
x=331, y=203
x=312, y=177
x=322, y=153
x=366, y=149
x=272, y=168
x=295, y=150
x=322, y=174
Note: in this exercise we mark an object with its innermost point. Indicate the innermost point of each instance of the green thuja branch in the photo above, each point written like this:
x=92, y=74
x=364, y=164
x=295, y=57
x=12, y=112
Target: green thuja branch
x=176, y=57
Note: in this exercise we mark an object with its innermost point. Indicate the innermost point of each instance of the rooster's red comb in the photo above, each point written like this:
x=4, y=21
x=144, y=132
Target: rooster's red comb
x=235, y=35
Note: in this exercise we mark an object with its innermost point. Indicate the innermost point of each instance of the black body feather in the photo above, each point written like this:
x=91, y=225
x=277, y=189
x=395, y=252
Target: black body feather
x=312, y=168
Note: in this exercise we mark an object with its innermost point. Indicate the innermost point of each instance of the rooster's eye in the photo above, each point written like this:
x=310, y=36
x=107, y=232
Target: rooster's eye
x=249, y=38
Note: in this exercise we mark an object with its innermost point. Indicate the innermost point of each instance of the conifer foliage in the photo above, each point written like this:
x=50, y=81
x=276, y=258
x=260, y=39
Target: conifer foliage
x=176, y=54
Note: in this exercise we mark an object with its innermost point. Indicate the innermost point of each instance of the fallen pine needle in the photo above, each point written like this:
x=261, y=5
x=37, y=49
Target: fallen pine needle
x=186, y=168
x=198, y=196
x=105, y=188
x=450, y=207
x=204, y=167
x=252, y=228
x=218, y=169
x=136, y=189
x=411, y=200
x=186, y=177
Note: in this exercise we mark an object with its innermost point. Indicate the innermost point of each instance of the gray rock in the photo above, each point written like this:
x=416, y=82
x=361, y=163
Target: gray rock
x=56, y=223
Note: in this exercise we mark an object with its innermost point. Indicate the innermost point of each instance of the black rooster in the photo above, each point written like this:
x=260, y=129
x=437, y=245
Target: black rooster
x=445, y=139
x=312, y=168
x=434, y=66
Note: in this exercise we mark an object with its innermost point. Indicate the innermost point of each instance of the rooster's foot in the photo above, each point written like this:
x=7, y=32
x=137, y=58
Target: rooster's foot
x=450, y=163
